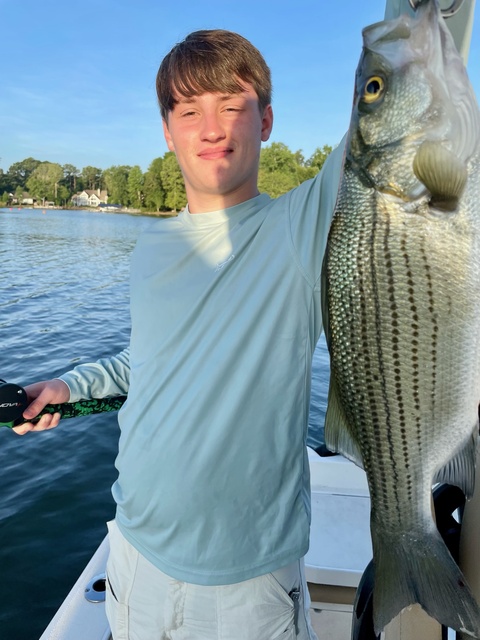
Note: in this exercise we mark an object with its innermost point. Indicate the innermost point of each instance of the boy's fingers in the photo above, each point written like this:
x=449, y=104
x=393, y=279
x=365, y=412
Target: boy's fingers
x=47, y=421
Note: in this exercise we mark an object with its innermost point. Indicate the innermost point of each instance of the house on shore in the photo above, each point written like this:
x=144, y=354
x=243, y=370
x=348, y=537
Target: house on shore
x=24, y=199
x=90, y=198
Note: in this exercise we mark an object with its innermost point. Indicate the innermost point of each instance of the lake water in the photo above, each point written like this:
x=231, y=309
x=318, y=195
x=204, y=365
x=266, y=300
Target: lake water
x=64, y=300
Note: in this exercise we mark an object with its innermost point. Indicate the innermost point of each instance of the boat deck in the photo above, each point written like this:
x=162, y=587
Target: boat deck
x=340, y=545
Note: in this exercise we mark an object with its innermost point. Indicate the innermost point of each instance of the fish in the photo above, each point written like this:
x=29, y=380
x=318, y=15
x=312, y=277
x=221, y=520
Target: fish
x=401, y=306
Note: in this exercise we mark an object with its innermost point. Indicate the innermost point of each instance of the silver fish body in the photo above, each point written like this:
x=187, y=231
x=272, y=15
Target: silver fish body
x=402, y=305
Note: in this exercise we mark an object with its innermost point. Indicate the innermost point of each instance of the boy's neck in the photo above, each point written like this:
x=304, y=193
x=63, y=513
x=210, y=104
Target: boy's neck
x=205, y=203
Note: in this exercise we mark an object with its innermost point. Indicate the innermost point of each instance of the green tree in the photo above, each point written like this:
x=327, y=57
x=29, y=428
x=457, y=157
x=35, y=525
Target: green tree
x=70, y=176
x=92, y=177
x=20, y=172
x=278, y=169
x=135, y=185
x=44, y=180
x=5, y=182
x=63, y=195
x=278, y=157
x=281, y=170
x=318, y=157
x=275, y=183
x=172, y=180
x=116, y=182
x=153, y=187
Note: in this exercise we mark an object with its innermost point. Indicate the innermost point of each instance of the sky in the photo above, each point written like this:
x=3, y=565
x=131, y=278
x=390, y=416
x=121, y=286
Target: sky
x=77, y=78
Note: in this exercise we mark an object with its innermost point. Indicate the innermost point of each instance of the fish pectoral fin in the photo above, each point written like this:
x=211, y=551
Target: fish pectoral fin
x=442, y=173
x=338, y=434
x=460, y=470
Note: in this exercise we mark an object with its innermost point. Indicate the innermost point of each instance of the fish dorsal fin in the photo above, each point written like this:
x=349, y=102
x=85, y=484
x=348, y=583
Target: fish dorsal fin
x=442, y=173
x=338, y=435
x=460, y=471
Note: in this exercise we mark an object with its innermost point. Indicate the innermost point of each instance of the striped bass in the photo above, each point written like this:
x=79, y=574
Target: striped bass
x=401, y=302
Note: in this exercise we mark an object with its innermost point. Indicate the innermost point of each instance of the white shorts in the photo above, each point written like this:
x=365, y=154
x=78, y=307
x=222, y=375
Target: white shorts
x=142, y=603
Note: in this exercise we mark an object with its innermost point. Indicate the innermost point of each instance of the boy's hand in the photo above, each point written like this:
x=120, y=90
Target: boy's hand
x=40, y=394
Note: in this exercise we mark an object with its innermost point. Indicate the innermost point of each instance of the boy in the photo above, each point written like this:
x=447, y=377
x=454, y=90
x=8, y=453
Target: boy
x=213, y=502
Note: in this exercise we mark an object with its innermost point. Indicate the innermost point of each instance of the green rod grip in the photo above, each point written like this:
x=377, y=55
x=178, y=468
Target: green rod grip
x=75, y=409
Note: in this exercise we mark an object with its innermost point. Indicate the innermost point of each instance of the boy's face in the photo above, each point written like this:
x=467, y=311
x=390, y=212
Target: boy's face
x=217, y=139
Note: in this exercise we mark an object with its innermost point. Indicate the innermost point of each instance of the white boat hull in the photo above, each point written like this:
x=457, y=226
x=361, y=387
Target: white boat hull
x=78, y=618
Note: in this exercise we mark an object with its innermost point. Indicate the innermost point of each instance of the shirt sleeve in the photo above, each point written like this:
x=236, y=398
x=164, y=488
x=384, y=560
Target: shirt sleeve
x=105, y=377
x=460, y=24
x=311, y=207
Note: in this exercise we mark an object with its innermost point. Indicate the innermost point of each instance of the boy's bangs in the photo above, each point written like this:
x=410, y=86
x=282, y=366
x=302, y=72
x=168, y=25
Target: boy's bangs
x=194, y=81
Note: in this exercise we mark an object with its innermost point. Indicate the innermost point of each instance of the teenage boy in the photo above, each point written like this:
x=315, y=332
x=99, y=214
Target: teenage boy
x=213, y=501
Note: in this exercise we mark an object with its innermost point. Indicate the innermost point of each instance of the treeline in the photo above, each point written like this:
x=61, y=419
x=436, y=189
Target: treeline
x=160, y=188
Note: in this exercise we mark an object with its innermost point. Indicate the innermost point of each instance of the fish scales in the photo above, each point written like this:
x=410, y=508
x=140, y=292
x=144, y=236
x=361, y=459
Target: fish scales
x=400, y=289
x=402, y=303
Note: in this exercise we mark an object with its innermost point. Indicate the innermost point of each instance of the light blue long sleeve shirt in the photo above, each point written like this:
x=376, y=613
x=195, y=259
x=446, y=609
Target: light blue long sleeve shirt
x=213, y=484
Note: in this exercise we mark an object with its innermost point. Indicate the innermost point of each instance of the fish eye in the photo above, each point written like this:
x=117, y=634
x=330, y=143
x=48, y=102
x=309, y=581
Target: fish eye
x=373, y=90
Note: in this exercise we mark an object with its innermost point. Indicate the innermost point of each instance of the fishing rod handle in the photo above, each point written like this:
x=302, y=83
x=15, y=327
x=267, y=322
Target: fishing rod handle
x=83, y=407
x=73, y=409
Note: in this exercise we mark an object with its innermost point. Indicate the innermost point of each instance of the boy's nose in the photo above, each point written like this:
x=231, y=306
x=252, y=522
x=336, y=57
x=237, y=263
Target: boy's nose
x=212, y=129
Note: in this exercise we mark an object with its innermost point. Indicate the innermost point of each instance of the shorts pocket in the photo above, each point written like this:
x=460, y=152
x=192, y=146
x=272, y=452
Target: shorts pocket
x=120, y=574
x=277, y=588
x=293, y=605
x=117, y=614
x=282, y=609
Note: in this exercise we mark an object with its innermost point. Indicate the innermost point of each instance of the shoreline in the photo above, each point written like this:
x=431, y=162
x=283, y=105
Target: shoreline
x=127, y=210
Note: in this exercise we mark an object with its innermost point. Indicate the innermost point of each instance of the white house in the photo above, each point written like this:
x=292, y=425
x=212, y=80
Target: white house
x=90, y=198
x=25, y=198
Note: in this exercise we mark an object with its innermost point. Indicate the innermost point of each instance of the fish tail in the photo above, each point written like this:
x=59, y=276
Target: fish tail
x=419, y=569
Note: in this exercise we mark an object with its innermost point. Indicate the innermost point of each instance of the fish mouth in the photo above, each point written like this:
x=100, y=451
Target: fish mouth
x=401, y=28
x=446, y=13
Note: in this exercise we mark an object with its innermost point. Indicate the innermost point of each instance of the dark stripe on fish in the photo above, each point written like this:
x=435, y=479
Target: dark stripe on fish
x=415, y=379
x=370, y=380
x=381, y=358
x=431, y=310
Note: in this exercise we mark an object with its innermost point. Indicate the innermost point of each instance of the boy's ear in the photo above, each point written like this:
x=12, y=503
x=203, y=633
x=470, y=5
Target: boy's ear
x=168, y=137
x=267, y=122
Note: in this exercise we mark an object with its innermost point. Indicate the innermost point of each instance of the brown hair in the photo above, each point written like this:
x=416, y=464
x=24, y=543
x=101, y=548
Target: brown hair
x=212, y=61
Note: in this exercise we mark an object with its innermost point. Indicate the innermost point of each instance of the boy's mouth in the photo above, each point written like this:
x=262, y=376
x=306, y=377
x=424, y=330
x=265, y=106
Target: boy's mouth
x=216, y=153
